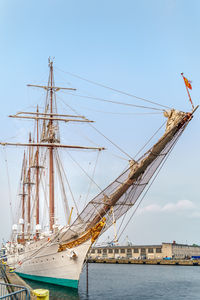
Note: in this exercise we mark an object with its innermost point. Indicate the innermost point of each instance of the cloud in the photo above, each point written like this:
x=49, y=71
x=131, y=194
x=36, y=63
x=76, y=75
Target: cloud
x=150, y=208
x=195, y=214
x=180, y=206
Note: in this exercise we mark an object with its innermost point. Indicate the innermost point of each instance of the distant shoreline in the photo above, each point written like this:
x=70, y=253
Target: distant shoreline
x=171, y=262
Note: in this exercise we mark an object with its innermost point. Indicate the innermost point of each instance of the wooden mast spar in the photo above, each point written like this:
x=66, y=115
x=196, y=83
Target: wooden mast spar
x=29, y=188
x=23, y=196
x=50, y=142
x=51, y=166
x=37, y=181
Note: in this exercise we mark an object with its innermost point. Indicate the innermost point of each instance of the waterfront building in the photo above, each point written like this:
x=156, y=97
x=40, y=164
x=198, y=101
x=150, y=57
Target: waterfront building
x=165, y=250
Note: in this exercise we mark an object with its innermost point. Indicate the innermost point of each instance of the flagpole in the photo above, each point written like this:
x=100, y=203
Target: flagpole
x=188, y=92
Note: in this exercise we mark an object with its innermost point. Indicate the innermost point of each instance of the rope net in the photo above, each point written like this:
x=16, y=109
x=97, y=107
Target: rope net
x=123, y=192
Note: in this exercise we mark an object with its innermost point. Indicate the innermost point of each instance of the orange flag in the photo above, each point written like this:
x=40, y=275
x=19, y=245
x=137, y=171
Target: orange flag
x=188, y=86
x=187, y=83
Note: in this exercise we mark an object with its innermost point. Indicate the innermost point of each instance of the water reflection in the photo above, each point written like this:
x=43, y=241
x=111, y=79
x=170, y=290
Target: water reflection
x=56, y=292
x=131, y=282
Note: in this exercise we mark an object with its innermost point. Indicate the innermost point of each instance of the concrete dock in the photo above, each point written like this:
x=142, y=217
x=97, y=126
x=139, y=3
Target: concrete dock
x=13, y=278
x=172, y=262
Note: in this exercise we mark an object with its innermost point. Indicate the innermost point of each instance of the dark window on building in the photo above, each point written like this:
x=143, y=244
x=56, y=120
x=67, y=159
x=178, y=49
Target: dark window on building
x=136, y=250
x=122, y=250
x=143, y=251
x=99, y=251
x=93, y=251
x=158, y=250
x=104, y=252
x=110, y=250
x=150, y=250
x=116, y=250
x=129, y=252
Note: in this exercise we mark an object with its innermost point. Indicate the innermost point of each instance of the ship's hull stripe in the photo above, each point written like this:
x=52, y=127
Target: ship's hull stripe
x=58, y=281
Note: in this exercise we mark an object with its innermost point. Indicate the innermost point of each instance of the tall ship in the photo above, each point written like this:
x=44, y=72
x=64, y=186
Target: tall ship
x=42, y=250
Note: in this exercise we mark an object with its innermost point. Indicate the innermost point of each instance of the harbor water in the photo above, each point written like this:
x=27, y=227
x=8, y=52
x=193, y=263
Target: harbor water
x=136, y=282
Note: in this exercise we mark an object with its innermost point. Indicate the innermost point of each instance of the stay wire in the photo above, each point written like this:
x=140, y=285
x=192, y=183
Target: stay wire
x=124, y=216
x=62, y=188
x=70, y=190
x=99, y=132
x=88, y=139
x=150, y=139
x=153, y=180
x=158, y=171
x=93, y=173
x=112, y=89
x=83, y=170
x=121, y=113
x=9, y=186
x=111, y=101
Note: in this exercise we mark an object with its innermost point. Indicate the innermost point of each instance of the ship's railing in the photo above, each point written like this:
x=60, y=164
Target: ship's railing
x=2, y=271
x=13, y=292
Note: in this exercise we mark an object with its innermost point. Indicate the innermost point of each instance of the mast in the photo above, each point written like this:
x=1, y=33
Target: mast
x=51, y=149
x=29, y=188
x=50, y=140
x=37, y=179
x=23, y=195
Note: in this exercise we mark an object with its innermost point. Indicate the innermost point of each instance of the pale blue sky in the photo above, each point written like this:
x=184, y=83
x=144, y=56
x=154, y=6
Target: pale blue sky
x=140, y=47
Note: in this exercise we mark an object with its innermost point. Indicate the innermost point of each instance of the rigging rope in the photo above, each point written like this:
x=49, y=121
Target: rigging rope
x=112, y=89
x=112, y=101
x=84, y=171
x=110, y=141
x=121, y=113
x=92, y=178
x=46, y=204
x=43, y=159
x=64, y=196
x=9, y=187
x=130, y=157
x=159, y=169
x=45, y=215
x=70, y=190
x=75, y=204
x=85, y=137
x=150, y=139
x=88, y=139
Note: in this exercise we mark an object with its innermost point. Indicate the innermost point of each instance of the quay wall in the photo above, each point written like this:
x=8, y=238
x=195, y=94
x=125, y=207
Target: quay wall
x=172, y=262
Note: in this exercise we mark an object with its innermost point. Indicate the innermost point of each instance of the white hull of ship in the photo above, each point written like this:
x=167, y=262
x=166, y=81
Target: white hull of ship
x=49, y=265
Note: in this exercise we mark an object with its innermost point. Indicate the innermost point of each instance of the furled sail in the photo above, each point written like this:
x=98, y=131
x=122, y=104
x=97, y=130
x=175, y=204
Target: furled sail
x=123, y=193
